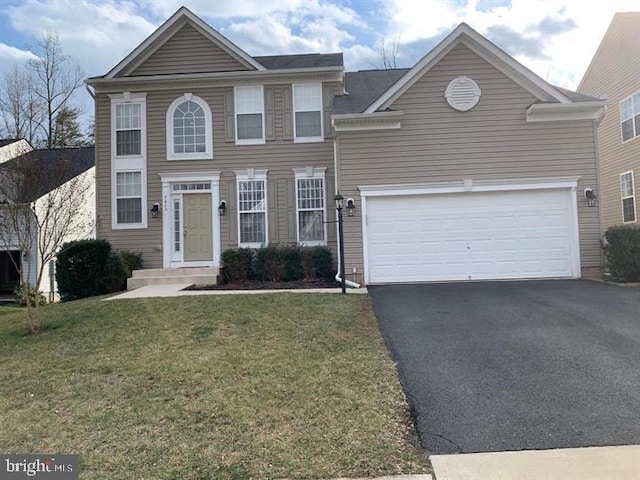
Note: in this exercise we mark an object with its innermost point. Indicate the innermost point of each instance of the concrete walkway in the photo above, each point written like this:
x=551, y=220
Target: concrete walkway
x=175, y=290
x=592, y=463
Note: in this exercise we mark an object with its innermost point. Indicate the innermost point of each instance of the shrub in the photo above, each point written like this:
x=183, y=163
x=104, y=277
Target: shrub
x=80, y=271
x=33, y=295
x=622, y=252
x=119, y=268
x=278, y=264
x=237, y=265
x=317, y=262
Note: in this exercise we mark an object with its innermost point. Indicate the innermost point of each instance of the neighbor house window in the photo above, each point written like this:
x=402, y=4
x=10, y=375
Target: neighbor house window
x=128, y=160
x=249, y=115
x=129, y=197
x=628, y=195
x=307, y=105
x=128, y=129
x=311, y=206
x=189, y=134
x=252, y=208
x=630, y=117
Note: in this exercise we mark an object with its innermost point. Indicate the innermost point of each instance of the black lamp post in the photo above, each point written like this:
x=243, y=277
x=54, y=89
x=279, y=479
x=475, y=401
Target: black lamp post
x=339, y=199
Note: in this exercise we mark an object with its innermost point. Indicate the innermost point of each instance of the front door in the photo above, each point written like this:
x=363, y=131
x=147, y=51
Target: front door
x=197, y=231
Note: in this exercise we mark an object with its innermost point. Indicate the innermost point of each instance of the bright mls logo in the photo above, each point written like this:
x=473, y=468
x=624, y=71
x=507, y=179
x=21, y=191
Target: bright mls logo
x=46, y=467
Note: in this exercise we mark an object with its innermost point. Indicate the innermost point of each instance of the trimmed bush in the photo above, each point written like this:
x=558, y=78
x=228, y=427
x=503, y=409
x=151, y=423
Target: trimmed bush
x=622, y=252
x=237, y=265
x=317, y=262
x=278, y=264
x=33, y=295
x=80, y=271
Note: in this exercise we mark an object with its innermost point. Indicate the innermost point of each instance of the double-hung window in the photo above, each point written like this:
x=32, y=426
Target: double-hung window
x=630, y=117
x=311, y=206
x=252, y=208
x=307, y=106
x=189, y=134
x=628, y=196
x=128, y=160
x=249, y=115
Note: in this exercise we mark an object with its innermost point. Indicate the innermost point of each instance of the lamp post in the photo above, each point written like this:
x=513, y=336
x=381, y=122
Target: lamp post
x=339, y=199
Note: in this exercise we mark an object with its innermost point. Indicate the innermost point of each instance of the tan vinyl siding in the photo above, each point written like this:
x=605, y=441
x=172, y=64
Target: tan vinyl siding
x=614, y=73
x=492, y=141
x=188, y=51
x=278, y=156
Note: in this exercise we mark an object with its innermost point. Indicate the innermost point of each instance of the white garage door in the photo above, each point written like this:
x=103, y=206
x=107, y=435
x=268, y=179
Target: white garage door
x=470, y=236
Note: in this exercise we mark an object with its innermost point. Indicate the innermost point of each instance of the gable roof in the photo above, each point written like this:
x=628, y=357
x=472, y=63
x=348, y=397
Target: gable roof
x=171, y=26
x=49, y=175
x=363, y=87
x=484, y=48
x=309, y=60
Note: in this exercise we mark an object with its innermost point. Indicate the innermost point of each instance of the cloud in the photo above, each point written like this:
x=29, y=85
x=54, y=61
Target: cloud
x=553, y=26
x=223, y=9
x=10, y=53
x=517, y=44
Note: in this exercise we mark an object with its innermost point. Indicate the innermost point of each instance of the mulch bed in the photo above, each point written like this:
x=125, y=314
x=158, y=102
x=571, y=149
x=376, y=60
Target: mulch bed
x=256, y=285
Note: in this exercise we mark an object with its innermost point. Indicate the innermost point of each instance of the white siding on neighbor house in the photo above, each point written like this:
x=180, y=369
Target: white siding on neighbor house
x=492, y=141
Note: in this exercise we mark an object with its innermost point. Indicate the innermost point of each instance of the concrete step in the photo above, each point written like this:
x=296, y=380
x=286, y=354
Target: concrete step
x=166, y=276
x=171, y=272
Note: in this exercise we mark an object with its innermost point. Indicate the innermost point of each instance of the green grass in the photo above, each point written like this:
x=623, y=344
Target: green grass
x=238, y=387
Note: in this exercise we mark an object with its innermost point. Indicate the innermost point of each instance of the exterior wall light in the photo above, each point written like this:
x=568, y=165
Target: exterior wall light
x=222, y=209
x=155, y=209
x=591, y=197
x=351, y=207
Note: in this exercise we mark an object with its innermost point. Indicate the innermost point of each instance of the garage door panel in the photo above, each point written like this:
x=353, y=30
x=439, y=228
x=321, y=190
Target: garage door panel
x=497, y=235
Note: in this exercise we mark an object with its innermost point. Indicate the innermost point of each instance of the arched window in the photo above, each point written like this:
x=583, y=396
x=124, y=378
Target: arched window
x=189, y=134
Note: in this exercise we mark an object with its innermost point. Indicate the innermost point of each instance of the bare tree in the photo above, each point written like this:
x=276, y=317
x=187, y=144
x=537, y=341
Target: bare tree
x=388, y=54
x=42, y=205
x=32, y=97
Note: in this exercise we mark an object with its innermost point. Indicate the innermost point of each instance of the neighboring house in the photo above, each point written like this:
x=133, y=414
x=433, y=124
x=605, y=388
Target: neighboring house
x=11, y=148
x=49, y=170
x=467, y=166
x=614, y=74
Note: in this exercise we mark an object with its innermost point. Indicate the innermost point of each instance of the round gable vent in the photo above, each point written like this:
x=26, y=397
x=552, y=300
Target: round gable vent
x=462, y=93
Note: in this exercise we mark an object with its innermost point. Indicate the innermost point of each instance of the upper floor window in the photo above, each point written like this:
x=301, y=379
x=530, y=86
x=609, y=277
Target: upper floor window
x=128, y=129
x=310, y=206
x=252, y=208
x=630, y=117
x=307, y=107
x=249, y=115
x=628, y=196
x=189, y=134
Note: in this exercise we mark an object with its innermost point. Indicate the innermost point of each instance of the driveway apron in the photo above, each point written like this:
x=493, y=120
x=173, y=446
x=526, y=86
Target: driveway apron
x=532, y=365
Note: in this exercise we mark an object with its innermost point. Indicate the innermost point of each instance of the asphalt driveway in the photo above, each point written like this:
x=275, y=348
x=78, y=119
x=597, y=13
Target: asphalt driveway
x=516, y=365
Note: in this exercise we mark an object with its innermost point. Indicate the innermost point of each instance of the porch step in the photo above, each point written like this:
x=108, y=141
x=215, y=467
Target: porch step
x=166, y=276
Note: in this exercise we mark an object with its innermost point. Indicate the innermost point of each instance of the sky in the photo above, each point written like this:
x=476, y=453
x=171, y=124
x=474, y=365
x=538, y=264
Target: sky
x=554, y=38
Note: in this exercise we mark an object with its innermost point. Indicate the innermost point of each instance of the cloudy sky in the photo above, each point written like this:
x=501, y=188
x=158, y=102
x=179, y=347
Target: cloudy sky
x=554, y=38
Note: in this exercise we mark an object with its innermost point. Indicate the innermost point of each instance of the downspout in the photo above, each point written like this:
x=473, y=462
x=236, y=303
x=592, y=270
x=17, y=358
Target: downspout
x=338, y=278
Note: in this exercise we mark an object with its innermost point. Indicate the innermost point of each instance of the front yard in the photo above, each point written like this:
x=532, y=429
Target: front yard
x=251, y=386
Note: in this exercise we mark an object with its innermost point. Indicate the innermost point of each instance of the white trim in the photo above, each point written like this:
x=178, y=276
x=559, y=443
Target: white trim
x=208, y=153
x=167, y=218
x=550, y=112
x=569, y=184
x=462, y=32
x=633, y=187
x=248, y=141
x=165, y=30
x=129, y=163
x=306, y=174
x=467, y=185
x=247, y=175
x=297, y=139
x=361, y=122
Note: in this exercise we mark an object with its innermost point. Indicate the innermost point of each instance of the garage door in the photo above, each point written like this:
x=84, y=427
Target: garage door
x=470, y=236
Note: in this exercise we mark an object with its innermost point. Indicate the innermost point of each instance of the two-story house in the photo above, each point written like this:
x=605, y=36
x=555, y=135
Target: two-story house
x=614, y=74
x=466, y=166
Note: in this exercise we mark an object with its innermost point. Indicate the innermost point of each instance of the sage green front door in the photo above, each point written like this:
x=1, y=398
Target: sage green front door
x=198, y=234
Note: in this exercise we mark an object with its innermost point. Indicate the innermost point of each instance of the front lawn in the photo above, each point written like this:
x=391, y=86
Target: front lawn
x=238, y=387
